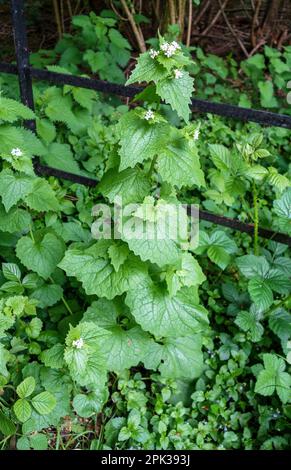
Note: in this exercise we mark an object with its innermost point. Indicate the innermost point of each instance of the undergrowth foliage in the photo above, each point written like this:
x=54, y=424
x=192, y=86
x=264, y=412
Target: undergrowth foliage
x=76, y=312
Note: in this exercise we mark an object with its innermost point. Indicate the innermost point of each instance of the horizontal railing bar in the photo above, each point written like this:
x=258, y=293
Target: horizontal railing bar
x=204, y=106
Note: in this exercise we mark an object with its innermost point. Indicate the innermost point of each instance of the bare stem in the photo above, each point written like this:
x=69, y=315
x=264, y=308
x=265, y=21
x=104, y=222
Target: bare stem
x=58, y=18
x=136, y=31
x=190, y=17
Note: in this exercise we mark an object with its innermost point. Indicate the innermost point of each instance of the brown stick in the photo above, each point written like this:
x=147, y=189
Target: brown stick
x=201, y=12
x=58, y=18
x=182, y=5
x=138, y=34
x=216, y=17
x=172, y=10
x=190, y=17
x=233, y=31
x=255, y=23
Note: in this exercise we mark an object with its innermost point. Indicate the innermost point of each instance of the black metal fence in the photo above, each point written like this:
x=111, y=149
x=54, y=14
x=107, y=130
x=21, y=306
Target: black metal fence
x=27, y=73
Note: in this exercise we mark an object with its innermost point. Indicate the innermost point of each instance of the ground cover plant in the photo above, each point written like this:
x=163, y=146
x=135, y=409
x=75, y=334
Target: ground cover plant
x=142, y=343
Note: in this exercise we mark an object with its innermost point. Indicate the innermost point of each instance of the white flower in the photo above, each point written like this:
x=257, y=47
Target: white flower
x=78, y=343
x=178, y=74
x=16, y=152
x=170, y=49
x=175, y=45
x=153, y=53
x=165, y=46
x=196, y=134
x=149, y=115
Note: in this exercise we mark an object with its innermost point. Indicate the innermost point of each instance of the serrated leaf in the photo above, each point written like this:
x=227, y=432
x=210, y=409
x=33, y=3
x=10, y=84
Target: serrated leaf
x=156, y=311
x=131, y=185
x=221, y=156
x=40, y=256
x=188, y=273
x=26, y=387
x=146, y=70
x=16, y=220
x=124, y=348
x=22, y=410
x=280, y=324
x=7, y=427
x=39, y=442
x=42, y=197
x=11, y=110
x=178, y=163
x=97, y=274
x=251, y=266
x=11, y=272
x=177, y=93
x=44, y=403
x=260, y=292
x=139, y=139
x=249, y=322
x=60, y=156
x=273, y=378
x=13, y=187
x=53, y=357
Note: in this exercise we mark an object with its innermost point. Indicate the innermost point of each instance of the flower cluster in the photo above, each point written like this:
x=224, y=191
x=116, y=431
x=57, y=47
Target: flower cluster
x=16, y=152
x=149, y=115
x=196, y=134
x=78, y=343
x=168, y=48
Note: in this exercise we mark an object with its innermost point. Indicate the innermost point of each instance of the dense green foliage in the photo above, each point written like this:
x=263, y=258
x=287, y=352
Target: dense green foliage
x=141, y=343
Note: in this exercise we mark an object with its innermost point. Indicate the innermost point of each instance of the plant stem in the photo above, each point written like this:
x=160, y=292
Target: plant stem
x=190, y=17
x=137, y=32
x=256, y=220
x=31, y=234
x=282, y=302
x=58, y=18
x=152, y=167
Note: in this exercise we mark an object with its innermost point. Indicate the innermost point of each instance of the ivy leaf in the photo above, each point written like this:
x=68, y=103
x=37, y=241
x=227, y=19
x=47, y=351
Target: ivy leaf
x=273, y=378
x=97, y=274
x=44, y=403
x=131, y=185
x=16, y=220
x=42, y=197
x=26, y=387
x=13, y=187
x=177, y=357
x=162, y=315
x=178, y=163
x=22, y=410
x=177, y=93
x=139, y=139
x=41, y=256
x=124, y=348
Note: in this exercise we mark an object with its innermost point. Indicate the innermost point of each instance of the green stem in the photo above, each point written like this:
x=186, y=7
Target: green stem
x=256, y=220
x=152, y=167
x=276, y=306
x=63, y=299
x=31, y=234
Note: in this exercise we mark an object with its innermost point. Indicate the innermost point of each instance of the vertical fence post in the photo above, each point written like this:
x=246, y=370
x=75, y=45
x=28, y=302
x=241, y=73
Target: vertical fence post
x=22, y=57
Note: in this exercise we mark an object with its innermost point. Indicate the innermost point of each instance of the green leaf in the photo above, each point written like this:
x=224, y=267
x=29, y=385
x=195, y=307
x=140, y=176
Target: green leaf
x=42, y=197
x=162, y=315
x=39, y=442
x=53, y=357
x=11, y=272
x=249, y=322
x=84, y=355
x=11, y=110
x=218, y=245
x=41, y=256
x=13, y=187
x=22, y=410
x=46, y=130
x=90, y=404
x=260, y=292
x=221, y=157
x=147, y=70
x=118, y=254
x=282, y=206
x=33, y=328
x=130, y=184
x=251, y=266
x=188, y=273
x=44, y=403
x=280, y=324
x=177, y=357
x=124, y=348
x=139, y=139
x=15, y=220
x=60, y=156
x=273, y=378
x=267, y=94
x=178, y=162
x=48, y=295
x=177, y=93
x=94, y=269
x=7, y=427
x=26, y=388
